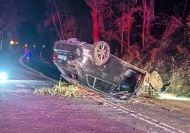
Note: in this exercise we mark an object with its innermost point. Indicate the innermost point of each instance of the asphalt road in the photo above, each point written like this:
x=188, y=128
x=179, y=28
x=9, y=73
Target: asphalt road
x=47, y=68
x=23, y=112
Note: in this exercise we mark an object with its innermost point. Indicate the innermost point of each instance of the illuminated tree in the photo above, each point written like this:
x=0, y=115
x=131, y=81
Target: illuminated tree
x=114, y=20
x=100, y=10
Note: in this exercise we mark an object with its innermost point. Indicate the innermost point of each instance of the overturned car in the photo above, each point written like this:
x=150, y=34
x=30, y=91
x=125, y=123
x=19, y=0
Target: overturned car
x=93, y=66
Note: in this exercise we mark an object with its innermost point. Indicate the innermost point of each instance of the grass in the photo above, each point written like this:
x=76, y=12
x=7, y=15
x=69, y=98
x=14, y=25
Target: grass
x=180, y=83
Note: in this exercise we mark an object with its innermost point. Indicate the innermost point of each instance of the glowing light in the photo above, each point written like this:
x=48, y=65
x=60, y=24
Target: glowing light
x=3, y=76
x=55, y=57
x=172, y=97
x=12, y=42
x=139, y=78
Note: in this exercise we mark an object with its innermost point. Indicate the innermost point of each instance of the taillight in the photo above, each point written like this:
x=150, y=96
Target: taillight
x=139, y=77
x=54, y=57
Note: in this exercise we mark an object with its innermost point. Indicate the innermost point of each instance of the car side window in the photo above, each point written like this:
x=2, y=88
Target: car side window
x=99, y=84
x=103, y=85
x=90, y=80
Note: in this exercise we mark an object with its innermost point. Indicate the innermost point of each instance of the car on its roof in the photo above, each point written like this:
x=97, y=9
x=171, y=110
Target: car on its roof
x=93, y=66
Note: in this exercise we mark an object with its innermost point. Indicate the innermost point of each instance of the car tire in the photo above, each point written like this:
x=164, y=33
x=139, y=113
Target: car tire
x=101, y=53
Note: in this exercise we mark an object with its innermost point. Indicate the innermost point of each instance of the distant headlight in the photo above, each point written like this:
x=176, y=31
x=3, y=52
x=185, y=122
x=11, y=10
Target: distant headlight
x=3, y=76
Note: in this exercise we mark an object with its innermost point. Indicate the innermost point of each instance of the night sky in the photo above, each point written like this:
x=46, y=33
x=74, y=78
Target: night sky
x=30, y=16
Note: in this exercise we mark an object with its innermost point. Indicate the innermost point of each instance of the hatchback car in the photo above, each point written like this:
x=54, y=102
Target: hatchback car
x=93, y=66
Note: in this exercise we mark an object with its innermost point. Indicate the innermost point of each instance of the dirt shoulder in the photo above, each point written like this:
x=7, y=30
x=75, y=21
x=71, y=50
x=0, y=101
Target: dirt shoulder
x=170, y=105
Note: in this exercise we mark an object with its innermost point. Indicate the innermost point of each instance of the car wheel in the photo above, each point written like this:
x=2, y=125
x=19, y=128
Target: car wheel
x=101, y=53
x=155, y=80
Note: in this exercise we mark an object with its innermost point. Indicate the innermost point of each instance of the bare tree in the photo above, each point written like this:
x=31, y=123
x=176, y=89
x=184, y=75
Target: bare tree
x=63, y=24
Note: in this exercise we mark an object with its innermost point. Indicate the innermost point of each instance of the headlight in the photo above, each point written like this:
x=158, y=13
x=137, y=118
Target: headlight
x=3, y=76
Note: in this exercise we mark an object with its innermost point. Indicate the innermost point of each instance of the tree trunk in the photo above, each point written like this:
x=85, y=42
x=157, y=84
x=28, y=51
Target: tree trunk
x=95, y=25
x=144, y=23
x=60, y=22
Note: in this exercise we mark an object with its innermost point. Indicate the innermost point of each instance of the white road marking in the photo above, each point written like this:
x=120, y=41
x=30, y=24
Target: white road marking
x=142, y=117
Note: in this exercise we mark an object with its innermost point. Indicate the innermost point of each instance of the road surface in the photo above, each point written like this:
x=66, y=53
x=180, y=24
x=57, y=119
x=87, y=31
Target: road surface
x=23, y=112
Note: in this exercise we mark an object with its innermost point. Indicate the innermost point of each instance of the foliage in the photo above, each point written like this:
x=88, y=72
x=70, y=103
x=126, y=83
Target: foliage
x=188, y=20
x=180, y=80
x=188, y=25
x=173, y=66
x=69, y=90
